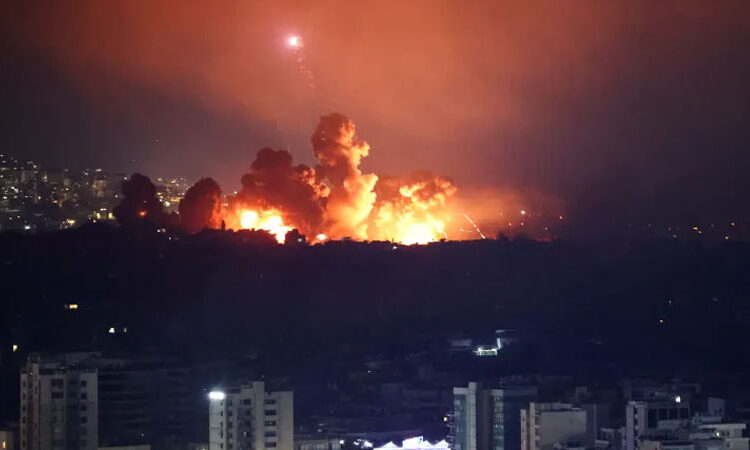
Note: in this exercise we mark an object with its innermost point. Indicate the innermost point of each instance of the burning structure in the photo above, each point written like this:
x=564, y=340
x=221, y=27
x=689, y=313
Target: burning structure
x=332, y=200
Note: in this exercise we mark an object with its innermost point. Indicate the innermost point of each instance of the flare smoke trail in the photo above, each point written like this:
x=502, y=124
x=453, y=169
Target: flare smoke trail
x=473, y=224
x=298, y=47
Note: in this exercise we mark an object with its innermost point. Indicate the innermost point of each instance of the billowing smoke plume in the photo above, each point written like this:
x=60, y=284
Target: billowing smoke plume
x=201, y=206
x=335, y=200
x=273, y=183
x=351, y=199
x=139, y=203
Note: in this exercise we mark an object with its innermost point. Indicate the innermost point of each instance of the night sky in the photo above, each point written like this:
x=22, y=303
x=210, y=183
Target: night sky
x=638, y=110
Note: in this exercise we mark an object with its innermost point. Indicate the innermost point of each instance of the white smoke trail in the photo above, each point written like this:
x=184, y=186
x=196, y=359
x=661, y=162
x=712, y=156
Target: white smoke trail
x=475, y=226
x=298, y=47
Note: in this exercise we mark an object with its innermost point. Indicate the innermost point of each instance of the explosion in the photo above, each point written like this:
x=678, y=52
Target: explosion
x=351, y=193
x=270, y=221
x=412, y=210
x=334, y=199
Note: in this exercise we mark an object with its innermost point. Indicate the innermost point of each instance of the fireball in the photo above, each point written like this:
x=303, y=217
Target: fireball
x=269, y=220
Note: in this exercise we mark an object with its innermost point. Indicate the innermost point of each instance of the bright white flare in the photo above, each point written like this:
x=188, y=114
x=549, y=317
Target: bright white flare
x=294, y=41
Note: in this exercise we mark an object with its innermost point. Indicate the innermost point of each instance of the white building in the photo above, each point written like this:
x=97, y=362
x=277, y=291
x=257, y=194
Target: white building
x=416, y=443
x=488, y=419
x=247, y=417
x=59, y=404
x=302, y=442
x=648, y=419
x=666, y=424
x=728, y=436
x=547, y=425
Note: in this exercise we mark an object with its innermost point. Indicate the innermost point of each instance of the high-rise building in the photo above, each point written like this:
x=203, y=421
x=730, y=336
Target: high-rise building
x=488, y=419
x=546, y=425
x=145, y=401
x=59, y=404
x=247, y=417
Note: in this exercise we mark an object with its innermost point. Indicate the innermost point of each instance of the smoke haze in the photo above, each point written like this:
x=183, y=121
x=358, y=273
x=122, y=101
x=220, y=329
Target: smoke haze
x=623, y=109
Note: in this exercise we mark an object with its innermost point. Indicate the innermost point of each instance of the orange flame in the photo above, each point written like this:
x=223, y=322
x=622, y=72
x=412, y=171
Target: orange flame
x=336, y=200
x=268, y=220
x=417, y=215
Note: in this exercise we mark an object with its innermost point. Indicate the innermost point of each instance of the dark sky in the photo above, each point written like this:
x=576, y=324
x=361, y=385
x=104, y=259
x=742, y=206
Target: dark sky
x=629, y=109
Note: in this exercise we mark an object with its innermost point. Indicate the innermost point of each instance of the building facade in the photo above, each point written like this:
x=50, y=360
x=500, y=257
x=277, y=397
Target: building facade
x=653, y=418
x=247, y=417
x=547, y=425
x=59, y=404
x=488, y=419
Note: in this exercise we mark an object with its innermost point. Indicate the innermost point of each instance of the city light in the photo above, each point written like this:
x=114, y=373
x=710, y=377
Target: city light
x=415, y=443
x=216, y=395
x=14, y=348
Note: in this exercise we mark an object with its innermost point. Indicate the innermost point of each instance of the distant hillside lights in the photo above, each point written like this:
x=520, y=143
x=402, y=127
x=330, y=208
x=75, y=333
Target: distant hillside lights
x=113, y=330
x=490, y=350
x=171, y=191
x=486, y=351
x=27, y=190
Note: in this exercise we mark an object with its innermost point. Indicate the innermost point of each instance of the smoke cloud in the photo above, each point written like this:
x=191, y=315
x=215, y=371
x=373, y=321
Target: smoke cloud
x=201, y=206
x=139, y=203
x=275, y=183
x=537, y=95
x=335, y=200
x=340, y=152
x=412, y=209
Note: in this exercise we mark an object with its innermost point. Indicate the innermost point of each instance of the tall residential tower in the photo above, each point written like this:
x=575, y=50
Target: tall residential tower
x=247, y=417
